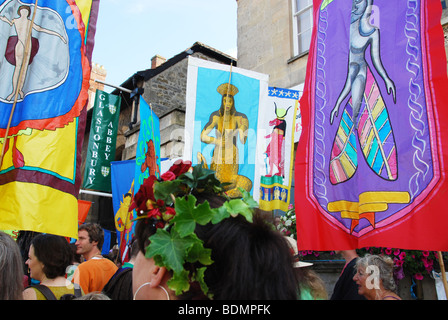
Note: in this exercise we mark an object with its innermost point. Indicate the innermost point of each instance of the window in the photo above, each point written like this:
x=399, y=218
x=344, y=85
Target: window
x=302, y=21
x=443, y=4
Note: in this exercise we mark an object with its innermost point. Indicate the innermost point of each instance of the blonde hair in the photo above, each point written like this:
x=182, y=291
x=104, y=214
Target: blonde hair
x=310, y=279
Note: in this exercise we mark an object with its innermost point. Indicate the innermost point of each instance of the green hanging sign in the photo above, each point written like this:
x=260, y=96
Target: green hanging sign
x=102, y=142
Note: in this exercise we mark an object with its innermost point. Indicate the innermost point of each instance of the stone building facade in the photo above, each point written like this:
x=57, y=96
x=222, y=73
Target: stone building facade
x=269, y=36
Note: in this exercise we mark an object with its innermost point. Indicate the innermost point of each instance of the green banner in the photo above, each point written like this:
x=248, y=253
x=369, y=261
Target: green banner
x=102, y=142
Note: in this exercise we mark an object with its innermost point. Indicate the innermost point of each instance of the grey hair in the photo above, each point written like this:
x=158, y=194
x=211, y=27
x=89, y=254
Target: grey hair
x=385, y=267
x=11, y=269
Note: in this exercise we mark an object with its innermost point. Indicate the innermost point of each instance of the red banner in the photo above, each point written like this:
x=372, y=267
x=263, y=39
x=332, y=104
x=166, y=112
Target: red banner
x=370, y=168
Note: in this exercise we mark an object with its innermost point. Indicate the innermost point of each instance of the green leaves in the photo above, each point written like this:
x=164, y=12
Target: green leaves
x=187, y=215
x=201, y=179
x=177, y=244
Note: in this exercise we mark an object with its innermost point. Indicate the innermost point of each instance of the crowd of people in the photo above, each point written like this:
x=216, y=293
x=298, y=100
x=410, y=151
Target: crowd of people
x=251, y=261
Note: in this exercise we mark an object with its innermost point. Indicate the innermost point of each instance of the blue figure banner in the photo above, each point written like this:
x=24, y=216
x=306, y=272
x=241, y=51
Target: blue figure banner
x=222, y=118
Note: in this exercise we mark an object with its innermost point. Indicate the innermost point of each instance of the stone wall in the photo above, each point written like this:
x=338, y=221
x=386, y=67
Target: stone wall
x=166, y=92
x=265, y=42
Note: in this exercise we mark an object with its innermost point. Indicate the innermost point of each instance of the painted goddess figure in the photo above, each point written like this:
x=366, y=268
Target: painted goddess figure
x=365, y=114
x=229, y=125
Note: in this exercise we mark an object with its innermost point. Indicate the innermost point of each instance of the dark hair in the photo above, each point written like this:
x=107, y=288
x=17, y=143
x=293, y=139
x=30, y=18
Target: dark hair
x=96, y=233
x=143, y=230
x=251, y=261
x=54, y=252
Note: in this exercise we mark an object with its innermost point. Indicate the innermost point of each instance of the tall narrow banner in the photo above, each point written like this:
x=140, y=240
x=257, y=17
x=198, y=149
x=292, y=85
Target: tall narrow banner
x=102, y=141
x=147, y=158
x=122, y=177
x=277, y=121
x=221, y=122
x=371, y=164
x=45, y=73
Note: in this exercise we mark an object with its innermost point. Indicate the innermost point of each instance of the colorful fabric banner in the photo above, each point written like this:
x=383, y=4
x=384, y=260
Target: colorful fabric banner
x=277, y=125
x=106, y=244
x=221, y=122
x=147, y=158
x=102, y=141
x=83, y=210
x=371, y=164
x=122, y=176
x=45, y=72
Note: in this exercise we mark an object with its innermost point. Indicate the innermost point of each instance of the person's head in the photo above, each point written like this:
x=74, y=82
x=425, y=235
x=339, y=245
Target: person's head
x=76, y=256
x=11, y=271
x=374, y=274
x=94, y=296
x=250, y=261
x=49, y=257
x=90, y=240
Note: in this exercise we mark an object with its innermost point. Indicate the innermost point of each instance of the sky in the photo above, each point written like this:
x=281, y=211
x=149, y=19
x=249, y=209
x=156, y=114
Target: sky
x=130, y=32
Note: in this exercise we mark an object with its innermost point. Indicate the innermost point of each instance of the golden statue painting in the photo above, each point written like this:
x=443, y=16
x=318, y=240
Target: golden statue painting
x=229, y=126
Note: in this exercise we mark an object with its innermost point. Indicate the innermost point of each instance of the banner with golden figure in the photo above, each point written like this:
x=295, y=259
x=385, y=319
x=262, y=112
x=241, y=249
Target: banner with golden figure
x=371, y=163
x=45, y=51
x=221, y=122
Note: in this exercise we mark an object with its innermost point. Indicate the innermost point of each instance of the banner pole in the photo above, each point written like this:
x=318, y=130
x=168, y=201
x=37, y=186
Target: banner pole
x=19, y=80
x=95, y=193
x=113, y=86
x=442, y=267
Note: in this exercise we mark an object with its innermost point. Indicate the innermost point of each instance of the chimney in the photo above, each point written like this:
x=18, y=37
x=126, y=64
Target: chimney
x=157, y=61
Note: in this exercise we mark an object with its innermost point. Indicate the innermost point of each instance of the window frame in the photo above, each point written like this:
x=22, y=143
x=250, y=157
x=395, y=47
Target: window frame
x=295, y=27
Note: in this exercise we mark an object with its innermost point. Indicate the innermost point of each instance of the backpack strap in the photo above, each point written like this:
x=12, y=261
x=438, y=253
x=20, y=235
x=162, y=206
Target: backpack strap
x=78, y=292
x=48, y=294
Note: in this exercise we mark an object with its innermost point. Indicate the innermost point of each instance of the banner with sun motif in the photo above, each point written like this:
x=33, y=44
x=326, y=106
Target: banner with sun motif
x=277, y=123
x=45, y=49
x=370, y=166
x=221, y=122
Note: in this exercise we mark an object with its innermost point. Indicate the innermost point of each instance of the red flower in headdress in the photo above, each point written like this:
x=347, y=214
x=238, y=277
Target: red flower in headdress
x=144, y=199
x=179, y=167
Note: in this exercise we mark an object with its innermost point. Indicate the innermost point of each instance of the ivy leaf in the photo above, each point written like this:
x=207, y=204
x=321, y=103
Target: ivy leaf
x=238, y=206
x=199, y=253
x=201, y=178
x=248, y=199
x=179, y=282
x=164, y=189
x=169, y=249
x=199, y=277
x=187, y=215
x=220, y=214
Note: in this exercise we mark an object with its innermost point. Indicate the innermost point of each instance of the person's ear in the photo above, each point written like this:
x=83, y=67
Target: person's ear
x=157, y=274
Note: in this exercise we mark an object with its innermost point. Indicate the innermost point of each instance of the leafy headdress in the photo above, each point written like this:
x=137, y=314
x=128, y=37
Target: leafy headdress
x=171, y=203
